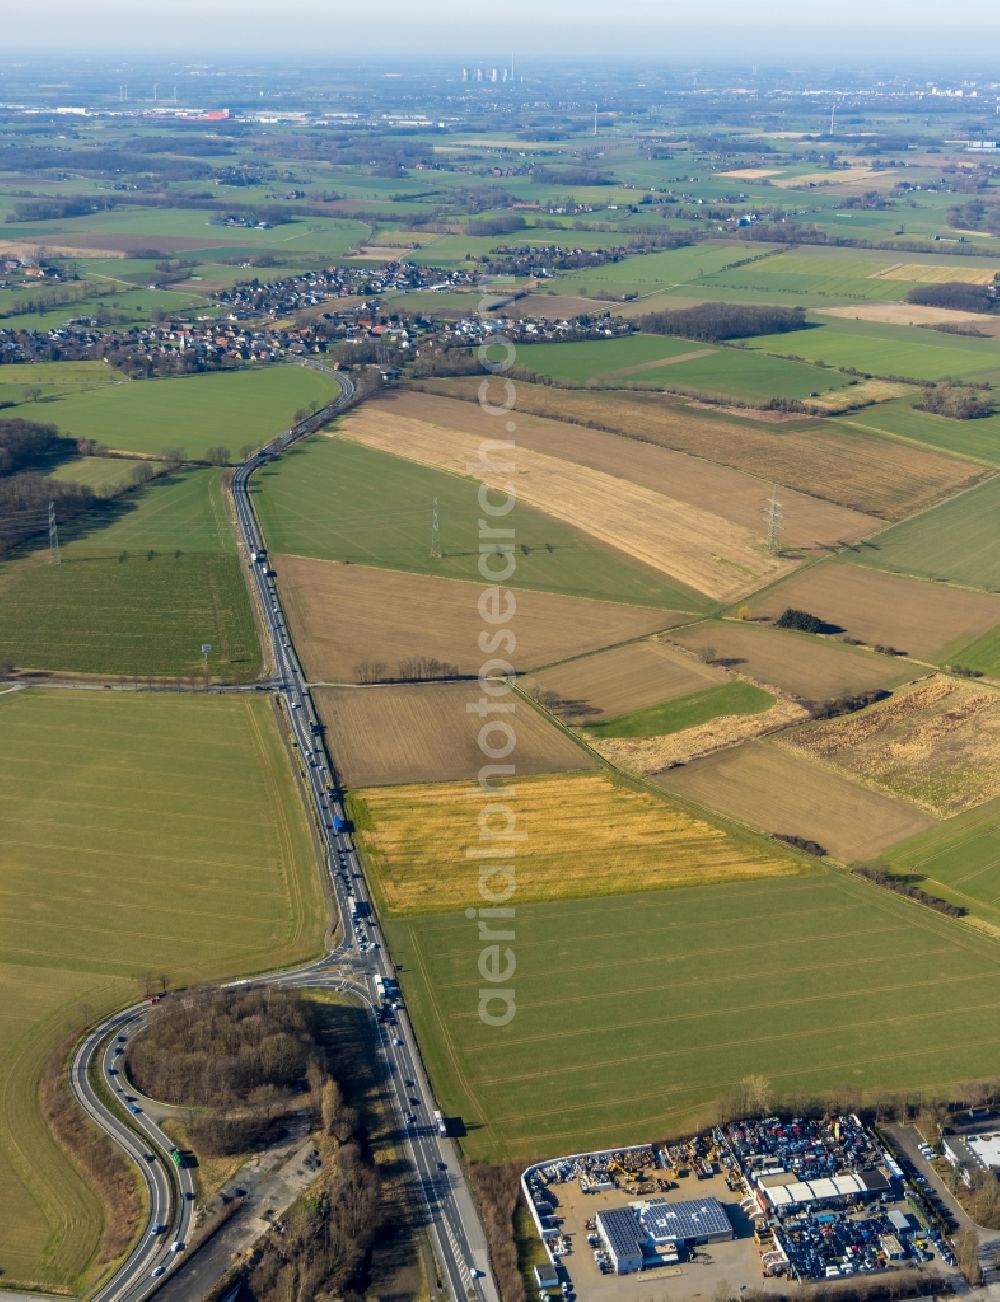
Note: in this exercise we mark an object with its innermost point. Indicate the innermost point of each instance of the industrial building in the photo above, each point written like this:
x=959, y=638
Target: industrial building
x=654, y=1232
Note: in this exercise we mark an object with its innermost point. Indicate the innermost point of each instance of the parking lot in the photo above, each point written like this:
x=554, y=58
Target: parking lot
x=732, y=1263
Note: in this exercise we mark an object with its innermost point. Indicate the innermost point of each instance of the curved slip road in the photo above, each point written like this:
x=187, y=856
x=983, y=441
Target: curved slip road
x=352, y=966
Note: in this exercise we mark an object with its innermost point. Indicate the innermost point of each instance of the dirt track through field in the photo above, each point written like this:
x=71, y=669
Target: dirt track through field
x=654, y=365
x=696, y=546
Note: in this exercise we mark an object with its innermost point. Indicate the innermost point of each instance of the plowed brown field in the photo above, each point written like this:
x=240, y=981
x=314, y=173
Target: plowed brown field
x=808, y=523
x=342, y=615
x=856, y=470
x=766, y=786
x=923, y=619
x=424, y=733
x=624, y=679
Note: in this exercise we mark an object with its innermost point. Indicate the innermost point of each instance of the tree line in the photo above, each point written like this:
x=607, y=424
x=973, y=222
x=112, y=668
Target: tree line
x=714, y=322
x=959, y=401
x=956, y=294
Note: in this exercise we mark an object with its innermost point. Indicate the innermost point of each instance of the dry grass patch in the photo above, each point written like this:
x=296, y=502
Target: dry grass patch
x=425, y=733
x=937, y=743
x=841, y=176
x=787, y=794
x=752, y=173
x=621, y=680
x=907, y=314
x=863, y=472
x=920, y=618
x=582, y=835
x=698, y=547
x=738, y=497
x=650, y=755
x=868, y=391
x=342, y=615
x=929, y=275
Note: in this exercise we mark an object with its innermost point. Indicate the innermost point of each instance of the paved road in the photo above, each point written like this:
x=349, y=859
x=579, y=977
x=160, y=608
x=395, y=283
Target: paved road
x=359, y=965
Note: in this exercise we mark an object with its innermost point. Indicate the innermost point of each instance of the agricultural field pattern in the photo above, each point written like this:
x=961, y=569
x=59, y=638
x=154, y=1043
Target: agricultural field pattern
x=520, y=537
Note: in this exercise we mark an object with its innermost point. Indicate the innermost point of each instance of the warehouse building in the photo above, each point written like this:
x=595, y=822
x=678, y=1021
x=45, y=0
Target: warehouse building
x=654, y=1232
x=680, y=1224
x=623, y=1239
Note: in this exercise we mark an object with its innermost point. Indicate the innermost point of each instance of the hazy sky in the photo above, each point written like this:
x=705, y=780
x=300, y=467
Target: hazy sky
x=872, y=31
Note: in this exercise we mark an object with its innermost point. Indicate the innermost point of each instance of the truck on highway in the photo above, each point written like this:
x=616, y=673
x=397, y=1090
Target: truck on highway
x=339, y=824
x=440, y=1125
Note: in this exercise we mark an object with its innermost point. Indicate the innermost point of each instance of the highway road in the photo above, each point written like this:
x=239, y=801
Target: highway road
x=359, y=964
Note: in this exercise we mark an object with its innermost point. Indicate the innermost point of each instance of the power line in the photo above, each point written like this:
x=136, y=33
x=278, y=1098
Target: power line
x=435, y=532
x=774, y=517
x=53, y=535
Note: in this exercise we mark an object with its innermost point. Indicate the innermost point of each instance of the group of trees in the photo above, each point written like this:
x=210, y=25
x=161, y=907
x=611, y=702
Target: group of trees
x=956, y=294
x=320, y=1252
x=25, y=494
x=959, y=401
x=714, y=322
x=414, y=669
x=902, y=887
x=217, y=1048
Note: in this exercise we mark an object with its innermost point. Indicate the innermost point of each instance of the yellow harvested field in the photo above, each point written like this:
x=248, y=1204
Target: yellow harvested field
x=651, y=755
x=906, y=314
x=837, y=400
x=766, y=786
x=919, y=618
x=424, y=732
x=936, y=743
x=752, y=173
x=838, y=176
x=929, y=275
x=809, y=523
x=342, y=615
x=567, y=836
x=621, y=680
x=864, y=472
x=698, y=547
x=812, y=669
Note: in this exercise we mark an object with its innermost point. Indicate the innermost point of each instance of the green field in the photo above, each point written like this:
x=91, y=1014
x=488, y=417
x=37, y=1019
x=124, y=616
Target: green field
x=814, y=275
x=130, y=307
x=634, y=1012
x=182, y=229
x=686, y=711
x=739, y=373
x=192, y=412
x=109, y=608
x=651, y=273
x=19, y=380
x=143, y=835
x=100, y=473
x=335, y=500
x=591, y=359
x=960, y=860
x=908, y=352
x=971, y=438
x=956, y=542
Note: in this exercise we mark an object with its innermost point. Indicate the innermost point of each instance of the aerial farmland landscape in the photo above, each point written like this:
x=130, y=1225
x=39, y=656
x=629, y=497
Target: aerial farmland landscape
x=499, y=654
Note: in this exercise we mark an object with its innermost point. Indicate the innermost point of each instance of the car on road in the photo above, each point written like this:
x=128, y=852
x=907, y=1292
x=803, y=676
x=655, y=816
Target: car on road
x=158, y=1228
x=112, y=1071
x=157, y=1271
x=177, y=1246
x=134, y=1109
x=399, y=1044
x=442, y=1166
